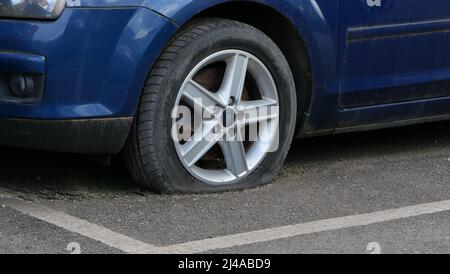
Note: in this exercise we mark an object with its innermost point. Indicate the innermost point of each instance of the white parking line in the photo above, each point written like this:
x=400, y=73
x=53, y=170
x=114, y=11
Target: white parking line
x=289, y=231
x=130, y=245
x=73, y=224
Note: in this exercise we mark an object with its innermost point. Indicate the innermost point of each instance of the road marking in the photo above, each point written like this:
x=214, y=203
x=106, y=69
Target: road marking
x=84, y=228
x=289, y=231
x=130, y=245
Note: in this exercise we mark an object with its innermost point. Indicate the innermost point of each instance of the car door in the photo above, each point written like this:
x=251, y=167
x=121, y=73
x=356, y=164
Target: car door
x=393, y=51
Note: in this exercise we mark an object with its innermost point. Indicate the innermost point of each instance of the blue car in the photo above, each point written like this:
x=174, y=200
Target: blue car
x=207, y=95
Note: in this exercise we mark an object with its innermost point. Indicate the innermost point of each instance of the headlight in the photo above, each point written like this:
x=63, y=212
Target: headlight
x=36, y=9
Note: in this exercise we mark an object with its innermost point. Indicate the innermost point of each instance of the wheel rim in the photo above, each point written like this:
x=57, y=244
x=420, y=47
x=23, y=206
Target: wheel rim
x=230, y=94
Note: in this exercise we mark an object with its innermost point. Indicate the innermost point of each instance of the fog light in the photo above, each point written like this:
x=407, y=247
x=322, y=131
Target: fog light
x=22, y=86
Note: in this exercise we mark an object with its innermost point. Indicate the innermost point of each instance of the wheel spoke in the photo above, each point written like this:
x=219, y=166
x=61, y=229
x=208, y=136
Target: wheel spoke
x=234, y=79
x=200, y=143
x=252, y=112
x=228, y=122
x=235, y=157
x=199, y=97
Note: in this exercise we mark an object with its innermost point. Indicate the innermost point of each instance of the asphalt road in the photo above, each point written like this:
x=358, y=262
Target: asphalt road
x=46, y=198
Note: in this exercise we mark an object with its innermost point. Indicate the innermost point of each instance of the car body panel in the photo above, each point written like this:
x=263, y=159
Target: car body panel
x=394, y=62
x=91, y=71
x=395, y=52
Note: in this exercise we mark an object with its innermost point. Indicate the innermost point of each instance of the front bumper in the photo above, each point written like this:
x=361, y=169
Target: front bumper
x=93, y=62
x=91, y=136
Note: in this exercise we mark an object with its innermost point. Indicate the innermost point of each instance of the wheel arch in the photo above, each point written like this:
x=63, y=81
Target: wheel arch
x=289, y=40
x=299, y=28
